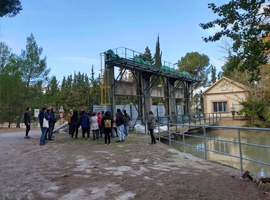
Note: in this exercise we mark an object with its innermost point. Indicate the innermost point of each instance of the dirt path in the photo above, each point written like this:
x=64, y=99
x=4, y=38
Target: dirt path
x=85, y=169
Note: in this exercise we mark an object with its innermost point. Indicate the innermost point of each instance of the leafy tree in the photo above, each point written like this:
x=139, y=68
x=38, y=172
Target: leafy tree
x=257, y=112
x=33, y=69
x=195, y=64
x=10, y=85
x=65, y=90
x=95, y=97
x=265, y=81
x=232, y=64
x=231, y=70
x=246, y=23
x=75, y=91
x=52, y=93
x=52, y=87
x=38, y=97
x=10, y=7
x=5, y=56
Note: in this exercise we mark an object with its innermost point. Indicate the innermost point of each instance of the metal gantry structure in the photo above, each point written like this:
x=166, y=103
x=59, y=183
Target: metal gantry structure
x=176, y=89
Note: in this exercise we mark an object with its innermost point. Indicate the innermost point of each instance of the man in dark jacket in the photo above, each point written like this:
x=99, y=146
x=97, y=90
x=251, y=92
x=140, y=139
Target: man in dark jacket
x=51, y=124
x=126, y=122
x=27, y=122
x=119, y=120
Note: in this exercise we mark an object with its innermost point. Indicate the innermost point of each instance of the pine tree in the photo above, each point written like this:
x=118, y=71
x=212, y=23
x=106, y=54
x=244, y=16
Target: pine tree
x=10, y=8
x=147, y=56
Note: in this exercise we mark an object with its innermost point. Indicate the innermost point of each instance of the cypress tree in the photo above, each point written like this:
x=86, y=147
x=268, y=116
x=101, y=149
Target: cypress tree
x=158, y=55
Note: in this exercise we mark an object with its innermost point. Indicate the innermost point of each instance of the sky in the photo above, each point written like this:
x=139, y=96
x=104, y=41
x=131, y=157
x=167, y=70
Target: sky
x=73, y=33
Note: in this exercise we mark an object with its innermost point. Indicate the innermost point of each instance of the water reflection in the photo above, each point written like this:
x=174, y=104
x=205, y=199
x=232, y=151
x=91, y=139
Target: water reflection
x=230, y=147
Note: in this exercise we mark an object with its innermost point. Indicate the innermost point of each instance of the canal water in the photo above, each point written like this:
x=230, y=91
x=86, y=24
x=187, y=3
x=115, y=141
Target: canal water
x=195, y=146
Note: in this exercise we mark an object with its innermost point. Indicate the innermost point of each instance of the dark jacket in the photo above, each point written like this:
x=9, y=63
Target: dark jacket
x=126, y=119
x=41, y=115
x=85, y=123
x=27, y=119
x=52, y=119
x=75, y=121
x=151, y=122
x=119, y=119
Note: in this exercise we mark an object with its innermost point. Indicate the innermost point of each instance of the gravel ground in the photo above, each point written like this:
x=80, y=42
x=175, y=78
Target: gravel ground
x=85, y=169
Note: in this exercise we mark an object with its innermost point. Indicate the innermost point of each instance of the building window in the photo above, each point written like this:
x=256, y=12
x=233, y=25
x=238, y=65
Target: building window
x=220, y=106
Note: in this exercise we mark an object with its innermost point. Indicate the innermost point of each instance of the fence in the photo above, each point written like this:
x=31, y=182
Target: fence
x=197, y=119
x=179, y=133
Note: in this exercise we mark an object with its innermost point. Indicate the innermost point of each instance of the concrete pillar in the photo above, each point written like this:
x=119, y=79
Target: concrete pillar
x=110, y=81
x=145, y=81
x=187, y=98
x=171, y=95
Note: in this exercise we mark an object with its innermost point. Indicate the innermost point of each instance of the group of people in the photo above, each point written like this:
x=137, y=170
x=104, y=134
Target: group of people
x=47, y=122
x=99, y=124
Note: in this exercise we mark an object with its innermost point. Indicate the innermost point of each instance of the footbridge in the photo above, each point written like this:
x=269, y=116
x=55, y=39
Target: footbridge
x=140, y=80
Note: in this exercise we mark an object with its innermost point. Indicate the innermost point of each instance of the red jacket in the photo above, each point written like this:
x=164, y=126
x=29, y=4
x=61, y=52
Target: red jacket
x=99, y=119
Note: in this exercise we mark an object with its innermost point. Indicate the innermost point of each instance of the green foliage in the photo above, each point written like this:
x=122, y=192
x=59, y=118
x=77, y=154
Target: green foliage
x=22, y=79
x=257, y=112
x=24, y=83
x=10, y=96
x=76, y=92
x=5, y=56
x=95, y=98
x=11, y=86
x=233, y=64
x=10, y=7
x=195, y=64
x=33, y=67
x=213, y=74
x=233, y=70
x=158, y=55
x=245, y=23
x=33, y=70
x=147, y=56
x=52, y=93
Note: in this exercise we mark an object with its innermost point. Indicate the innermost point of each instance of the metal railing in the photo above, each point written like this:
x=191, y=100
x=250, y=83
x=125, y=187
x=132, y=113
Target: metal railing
x=182, y=133
x=197, y=119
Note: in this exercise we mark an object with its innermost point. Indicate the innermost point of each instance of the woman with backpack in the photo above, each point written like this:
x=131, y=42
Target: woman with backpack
x=106, y=123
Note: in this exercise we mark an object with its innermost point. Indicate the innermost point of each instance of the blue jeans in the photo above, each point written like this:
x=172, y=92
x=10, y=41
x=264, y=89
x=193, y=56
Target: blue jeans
x=120, y=131
x=126, y=129
x=43, y=133
x=112, y=132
